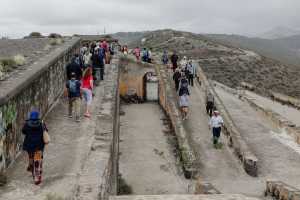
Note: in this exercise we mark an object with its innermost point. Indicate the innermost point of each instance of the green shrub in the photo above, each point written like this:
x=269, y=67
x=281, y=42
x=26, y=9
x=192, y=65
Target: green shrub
x=124, y=188
x=19, y=60
x=54, y=35
x=35, y=34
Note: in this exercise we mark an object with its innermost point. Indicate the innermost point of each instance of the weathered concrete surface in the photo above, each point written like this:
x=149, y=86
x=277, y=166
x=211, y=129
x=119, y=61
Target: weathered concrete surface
x=283, y=116
x=147, y=162
x=185, y=197
x=77, y=162
x=277, y=160
x=39, y=86
x=241, y=149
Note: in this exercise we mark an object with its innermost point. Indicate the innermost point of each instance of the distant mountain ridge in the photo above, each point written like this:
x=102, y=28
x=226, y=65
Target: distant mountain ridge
x=286, y=49
x=279, y=32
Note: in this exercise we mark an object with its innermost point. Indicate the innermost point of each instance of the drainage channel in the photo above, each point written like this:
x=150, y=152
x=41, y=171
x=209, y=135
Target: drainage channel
x=148, y=164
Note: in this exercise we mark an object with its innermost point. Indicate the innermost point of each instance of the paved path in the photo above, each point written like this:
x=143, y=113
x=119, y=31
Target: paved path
x=146, y=161
x=63, y=160
x=276, y=160
x=288, y=112
x=219, y=167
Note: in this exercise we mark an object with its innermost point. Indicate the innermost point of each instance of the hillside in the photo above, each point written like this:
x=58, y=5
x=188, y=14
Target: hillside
x=227, y=64
x=284, y=49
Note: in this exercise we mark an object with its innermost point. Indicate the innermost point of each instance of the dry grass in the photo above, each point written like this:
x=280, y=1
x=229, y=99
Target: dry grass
x=19, y=60
x=56, y=41
x=54, y=197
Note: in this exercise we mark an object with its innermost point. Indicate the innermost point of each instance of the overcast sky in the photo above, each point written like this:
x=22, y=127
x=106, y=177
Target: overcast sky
x=246, y=17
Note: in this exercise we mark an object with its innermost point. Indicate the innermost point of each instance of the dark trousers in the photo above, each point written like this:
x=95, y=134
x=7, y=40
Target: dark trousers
x=191, y=80
x=177, y=85
x=216, y=134
x=209, y=108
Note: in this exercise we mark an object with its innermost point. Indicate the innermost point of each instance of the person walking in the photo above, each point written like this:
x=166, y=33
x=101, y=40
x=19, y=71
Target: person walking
x=137, y=53
x=145, y=55
x=210, y=103
x=74, y=67
x=165, y=58
x=176, y=78
x=98, y=65
x=34, y=144
x=215, y=123
x=184, y=105
x=174, y=60
x=73, y=88
x=183, y=86
x=191, y=72
x=183, y=62
x=87, y=88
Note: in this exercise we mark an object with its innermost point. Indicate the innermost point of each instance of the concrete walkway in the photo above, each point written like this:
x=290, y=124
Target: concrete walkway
x=218, y=167
x=63, y=160
x=276, y=160
x=146, y=161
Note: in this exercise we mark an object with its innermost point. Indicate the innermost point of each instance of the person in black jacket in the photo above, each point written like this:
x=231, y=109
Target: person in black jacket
x=176, y=78
x=34, y=145
x=174, y=59
x=74, y=67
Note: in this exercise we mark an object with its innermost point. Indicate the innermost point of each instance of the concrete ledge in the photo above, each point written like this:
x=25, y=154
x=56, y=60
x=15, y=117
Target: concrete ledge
x=282, y=191
x=99, y=175
x=234, y=139
x=277, y=119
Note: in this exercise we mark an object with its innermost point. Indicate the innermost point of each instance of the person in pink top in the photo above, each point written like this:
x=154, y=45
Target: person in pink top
x=137, y=53
x=87, y=88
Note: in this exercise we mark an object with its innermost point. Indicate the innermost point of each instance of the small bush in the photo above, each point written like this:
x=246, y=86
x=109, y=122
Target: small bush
x=35, y=34
x=19, y=60
x=54, y=35
x=56, y=41
x=124, y=188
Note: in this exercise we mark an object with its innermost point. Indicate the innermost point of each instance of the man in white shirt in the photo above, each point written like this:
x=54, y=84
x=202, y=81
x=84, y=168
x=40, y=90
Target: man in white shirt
x=215, y=123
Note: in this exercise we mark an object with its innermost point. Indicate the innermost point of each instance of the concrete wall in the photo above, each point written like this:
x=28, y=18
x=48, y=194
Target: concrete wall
x=132, y=77
x=235, y=141
x=38, y=87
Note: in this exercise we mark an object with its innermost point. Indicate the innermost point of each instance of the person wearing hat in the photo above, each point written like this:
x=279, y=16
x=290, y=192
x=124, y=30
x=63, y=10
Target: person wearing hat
x=215, y=123
x=34, y=144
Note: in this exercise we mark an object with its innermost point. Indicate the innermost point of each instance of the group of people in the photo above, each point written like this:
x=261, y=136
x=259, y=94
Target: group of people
x=144, y=55
x=85, y=69
x=183, y=77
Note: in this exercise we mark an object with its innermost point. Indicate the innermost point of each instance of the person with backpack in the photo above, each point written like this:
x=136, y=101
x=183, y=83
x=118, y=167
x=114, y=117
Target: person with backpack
x=176, y=78
x=73, y=88
x=191, y=72
x=87, y=88
x=184, y=105
x=34, y=144
x=174, y=59
x=74, y=67
x=98, y=65
x=215, y=123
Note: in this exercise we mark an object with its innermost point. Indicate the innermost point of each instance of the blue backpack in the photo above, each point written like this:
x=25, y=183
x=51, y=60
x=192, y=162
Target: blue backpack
x=73, y=86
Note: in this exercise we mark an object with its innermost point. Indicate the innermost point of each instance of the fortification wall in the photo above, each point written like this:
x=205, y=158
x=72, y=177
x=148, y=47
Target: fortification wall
x=40, y=86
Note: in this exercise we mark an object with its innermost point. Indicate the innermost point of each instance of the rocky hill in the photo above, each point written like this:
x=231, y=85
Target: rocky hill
x=226, y=64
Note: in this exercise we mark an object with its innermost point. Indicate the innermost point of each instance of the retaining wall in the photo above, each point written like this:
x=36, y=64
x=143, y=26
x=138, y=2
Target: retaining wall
x=39, y=86
x=235, y=141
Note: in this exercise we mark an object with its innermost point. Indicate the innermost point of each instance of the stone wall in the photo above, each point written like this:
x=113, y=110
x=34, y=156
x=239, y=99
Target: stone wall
x=281, y=191
x=235, y=141
x=39, y=87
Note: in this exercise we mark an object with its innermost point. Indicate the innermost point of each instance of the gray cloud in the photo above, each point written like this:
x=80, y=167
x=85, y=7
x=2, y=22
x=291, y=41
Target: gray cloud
x=20, y=17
